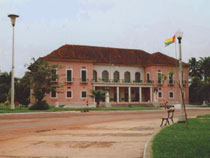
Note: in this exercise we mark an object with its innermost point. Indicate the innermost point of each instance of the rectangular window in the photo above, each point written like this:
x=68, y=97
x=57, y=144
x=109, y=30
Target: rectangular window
x=148, y=77
x=69, y=75
x=171, y=94
x=53, y=93
x=160, y=95
x=54, y=72
x=159, y=77
x=170, y=77
x=84, y=75
x=69, y=94
x=84, y=94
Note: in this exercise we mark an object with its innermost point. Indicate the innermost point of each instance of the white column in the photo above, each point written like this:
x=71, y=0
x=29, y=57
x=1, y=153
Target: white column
x=150, y=94
x=129, y=94
x=107, y=96
x=118, y=95
x=140, y=96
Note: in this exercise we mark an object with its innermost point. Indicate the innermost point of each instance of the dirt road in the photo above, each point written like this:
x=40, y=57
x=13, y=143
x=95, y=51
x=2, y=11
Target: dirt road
x=74, y=134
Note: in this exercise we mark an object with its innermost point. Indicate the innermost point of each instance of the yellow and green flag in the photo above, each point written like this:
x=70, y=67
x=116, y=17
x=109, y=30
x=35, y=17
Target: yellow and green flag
x=170, y=40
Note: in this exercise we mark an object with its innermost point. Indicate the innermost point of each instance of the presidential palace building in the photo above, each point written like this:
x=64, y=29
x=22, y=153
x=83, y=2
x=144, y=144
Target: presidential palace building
x=128, y=76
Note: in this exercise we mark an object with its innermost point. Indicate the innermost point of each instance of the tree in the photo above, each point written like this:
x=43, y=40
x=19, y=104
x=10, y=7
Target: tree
x=5, y=84
x=99, y=95
x=204, y=64
x=195, y=90
x=40, y=80
x=194, y=69
x=22, y=91
x=199, y=73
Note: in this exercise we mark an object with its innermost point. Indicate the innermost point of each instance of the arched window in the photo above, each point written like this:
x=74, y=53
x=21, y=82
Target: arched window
x=127, y=77
x=137, y=77
x=105, y=76
x=94, y=76
x=116, y=76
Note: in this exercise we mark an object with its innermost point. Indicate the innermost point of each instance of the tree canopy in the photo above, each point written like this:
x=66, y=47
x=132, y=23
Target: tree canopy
x=199, y=72
x=39, y=77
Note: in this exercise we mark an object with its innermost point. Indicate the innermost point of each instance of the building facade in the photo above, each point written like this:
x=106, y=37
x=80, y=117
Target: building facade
x=128, y=76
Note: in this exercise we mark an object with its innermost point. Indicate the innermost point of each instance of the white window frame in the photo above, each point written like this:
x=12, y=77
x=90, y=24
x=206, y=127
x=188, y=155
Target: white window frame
x=161, y=77
x=71, y=94
x=56, y=74
x=169, y=94
x=149, y=77
x=96, y=76
x=71, y=75
x=161, y=95
x=86, y=75
x=169, y=78
x=56, y=95
x=81, y=94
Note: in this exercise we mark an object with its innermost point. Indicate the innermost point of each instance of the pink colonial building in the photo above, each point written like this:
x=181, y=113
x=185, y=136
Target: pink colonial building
x=129, y=76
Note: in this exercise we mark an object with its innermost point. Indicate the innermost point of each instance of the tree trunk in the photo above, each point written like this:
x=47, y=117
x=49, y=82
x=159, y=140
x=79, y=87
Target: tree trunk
x=97, y=103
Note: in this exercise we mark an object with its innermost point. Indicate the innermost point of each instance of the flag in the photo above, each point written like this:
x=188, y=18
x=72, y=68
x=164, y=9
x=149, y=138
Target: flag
x=170, y=40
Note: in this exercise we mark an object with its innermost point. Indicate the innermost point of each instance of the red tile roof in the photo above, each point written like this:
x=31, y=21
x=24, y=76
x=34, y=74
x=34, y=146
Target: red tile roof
x=106, y=55
x=162, y=59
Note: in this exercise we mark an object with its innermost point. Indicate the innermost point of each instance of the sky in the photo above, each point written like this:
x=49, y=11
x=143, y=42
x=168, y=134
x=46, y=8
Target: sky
x=46, y=25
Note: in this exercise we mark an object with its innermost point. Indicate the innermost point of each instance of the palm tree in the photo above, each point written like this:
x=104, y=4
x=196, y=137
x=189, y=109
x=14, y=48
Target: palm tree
x=98, y=95
x=194, y=69
x=204, y=64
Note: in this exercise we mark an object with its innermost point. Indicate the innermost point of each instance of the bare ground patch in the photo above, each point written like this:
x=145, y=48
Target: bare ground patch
x=75, y=144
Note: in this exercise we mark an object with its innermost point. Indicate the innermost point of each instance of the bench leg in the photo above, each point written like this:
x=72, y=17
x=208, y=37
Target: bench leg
x=161, y=123
x=167, y=122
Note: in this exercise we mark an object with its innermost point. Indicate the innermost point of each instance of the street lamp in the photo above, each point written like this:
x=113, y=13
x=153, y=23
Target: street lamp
x=181, y=117
x=13, y=18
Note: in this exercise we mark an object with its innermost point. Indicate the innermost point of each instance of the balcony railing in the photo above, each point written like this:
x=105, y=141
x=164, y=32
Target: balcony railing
x=70, y=81
x=84, y=81
x=122, y=81
x=171, y=82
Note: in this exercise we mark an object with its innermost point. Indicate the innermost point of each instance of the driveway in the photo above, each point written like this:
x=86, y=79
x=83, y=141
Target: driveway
x=99, y=134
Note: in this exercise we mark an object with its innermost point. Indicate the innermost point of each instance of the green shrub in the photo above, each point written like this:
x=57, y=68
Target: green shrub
x=40, y=105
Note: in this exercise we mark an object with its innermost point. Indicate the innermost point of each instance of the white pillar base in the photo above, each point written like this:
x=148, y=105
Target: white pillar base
x=181, y=118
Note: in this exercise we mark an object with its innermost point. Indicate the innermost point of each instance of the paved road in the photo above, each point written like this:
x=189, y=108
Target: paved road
x=35, y=122
x=16, y=129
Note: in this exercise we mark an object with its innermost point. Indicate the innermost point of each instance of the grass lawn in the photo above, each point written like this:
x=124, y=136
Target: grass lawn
x=176, y=141
x=5, y=109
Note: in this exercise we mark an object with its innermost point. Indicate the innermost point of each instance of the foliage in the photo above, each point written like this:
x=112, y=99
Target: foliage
x=194, y=69
x=161, y=78
x=99, y=95
x=40, y=78
x=177, y=141
x=170, y=71
x=40, y=105
x=21, y=91
x=5, y=84
x=199, y=73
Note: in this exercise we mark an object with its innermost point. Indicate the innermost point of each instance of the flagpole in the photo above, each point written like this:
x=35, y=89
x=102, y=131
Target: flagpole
x=175, y=50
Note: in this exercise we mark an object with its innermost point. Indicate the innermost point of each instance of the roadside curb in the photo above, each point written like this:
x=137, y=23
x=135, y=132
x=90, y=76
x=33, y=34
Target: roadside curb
x=78, y=111
x=148, y=146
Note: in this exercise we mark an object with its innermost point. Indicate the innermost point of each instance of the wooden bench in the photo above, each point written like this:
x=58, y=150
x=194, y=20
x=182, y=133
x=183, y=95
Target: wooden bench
x=170, y=116
x=86, y=110
x=165, y=105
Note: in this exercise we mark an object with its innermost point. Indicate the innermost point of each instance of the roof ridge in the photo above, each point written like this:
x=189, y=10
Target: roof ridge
x=98, y=54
